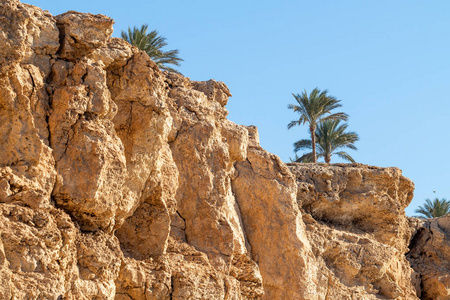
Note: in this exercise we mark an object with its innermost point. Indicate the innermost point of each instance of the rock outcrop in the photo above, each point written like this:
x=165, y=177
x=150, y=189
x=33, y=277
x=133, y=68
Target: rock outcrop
x=430, y=257
x=355, y=222
x=368, y=198
x=266, y=194
x=119, y=181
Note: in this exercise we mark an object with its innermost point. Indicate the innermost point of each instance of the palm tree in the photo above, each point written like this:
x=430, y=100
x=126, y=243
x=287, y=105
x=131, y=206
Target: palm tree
x=151, y=43
x=437, y=208
x=330, y=137
x=314, y=109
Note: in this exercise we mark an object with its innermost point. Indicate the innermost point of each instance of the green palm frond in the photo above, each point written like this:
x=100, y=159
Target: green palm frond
x=331, y=136
x=302, y=144
x=293, y=123
x=345, y=156
x=336, y=117
x=305, y=158
x=152, y=44
x=435, y=209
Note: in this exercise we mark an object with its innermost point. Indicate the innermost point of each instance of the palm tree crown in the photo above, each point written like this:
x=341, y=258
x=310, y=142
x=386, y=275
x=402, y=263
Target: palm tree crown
x=437, y=208
x=330, y=136
x=151, y=43
x=313, y=109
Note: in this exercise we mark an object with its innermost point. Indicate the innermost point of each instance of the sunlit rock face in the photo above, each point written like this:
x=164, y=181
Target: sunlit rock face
x=119, y=181
x=369, y=198
x=355, y=222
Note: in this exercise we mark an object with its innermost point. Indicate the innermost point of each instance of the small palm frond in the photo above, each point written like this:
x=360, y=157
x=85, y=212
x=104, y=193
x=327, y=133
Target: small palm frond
x=293, y=123
x=345, y=156
x=335, y=117
x=152, y=44
x=305, y=158
x=435, y=209
x=292, y=160
x=425, y=213
x=302, y=144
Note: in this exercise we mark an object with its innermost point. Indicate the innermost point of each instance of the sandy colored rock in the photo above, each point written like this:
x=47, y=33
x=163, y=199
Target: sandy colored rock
x=98, y=261
x=214, y=90
x=266, y=194
x=202, y=156
x=143, y=123
x=357, y=228
x=368, y=198
x=182, y=273
x=31, y=38
x=147, y=279
x=194, y=277
x=35, y=243
x=49, y=258
x=5, y=274
x=430, y=257
x=89, y=155
x=354, y=265
x=27, y=172
x=82, y=33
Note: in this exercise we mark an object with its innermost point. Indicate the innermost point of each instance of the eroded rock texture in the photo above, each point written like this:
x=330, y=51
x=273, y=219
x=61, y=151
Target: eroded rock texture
x=369, y=198
x=430, y=257
x=266, y=190
x=355, y=223
x=119, y=181
x=138, y=162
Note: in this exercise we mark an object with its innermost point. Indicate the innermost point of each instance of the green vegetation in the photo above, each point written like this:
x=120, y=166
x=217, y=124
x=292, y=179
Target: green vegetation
x=152, y=43
x=437, y=208
x=330, y=137
x=314, y=109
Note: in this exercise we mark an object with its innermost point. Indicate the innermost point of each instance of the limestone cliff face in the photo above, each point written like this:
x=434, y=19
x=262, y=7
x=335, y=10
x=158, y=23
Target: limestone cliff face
x=357, y=228
x=119, y=181
x=430, y=257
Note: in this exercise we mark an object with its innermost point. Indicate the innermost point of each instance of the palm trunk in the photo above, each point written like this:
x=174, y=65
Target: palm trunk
x=327, y=159
x=312, y=128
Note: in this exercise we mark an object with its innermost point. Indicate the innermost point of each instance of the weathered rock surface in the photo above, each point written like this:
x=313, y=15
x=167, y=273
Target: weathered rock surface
x=119, y=181
x=430, y=257
x=47, y=257
x=357, y=266
x=355, y=222
x=266, y=193
x=27, y=166
x=368, y=198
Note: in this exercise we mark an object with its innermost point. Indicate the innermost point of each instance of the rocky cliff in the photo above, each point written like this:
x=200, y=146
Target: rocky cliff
x=119, y=181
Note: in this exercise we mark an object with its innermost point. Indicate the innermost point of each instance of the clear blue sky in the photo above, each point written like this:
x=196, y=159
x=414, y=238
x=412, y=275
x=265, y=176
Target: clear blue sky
x=387, y=60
